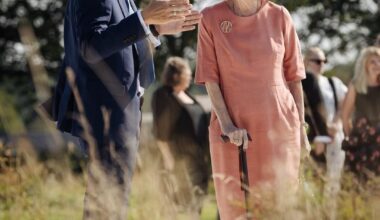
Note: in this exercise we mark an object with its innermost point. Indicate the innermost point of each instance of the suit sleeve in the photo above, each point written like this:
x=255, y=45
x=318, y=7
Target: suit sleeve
x=97, y=38
x=294, y=69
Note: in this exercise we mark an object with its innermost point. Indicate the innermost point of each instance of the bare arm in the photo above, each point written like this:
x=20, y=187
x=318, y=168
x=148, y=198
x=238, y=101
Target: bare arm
x=297, y=93
x=219, y=106
x=347, y=109
x=332, y=128
x=166, y=155
x=237, y=136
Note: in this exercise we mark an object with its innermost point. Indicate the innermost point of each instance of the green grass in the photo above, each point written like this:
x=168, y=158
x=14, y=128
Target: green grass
x=51, y=191
x=209, y=210
x=40, y=192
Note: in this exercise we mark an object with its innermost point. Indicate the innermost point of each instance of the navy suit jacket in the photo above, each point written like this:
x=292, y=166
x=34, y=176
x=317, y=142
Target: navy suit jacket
x=107, y=48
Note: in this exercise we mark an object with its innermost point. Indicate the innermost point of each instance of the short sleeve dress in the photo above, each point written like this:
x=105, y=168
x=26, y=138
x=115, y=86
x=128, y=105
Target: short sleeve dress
x=252, y=59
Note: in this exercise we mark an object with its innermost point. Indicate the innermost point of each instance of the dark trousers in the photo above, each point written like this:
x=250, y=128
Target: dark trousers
x=110, y=172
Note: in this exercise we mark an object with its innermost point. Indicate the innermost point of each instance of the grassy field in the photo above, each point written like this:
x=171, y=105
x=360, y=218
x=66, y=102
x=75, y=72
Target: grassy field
x=35, y=194
x=51, y=191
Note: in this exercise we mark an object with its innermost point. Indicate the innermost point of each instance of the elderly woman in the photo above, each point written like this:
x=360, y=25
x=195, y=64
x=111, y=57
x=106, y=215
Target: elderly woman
x=250, y=60
x=180, y=126
x=363, y=99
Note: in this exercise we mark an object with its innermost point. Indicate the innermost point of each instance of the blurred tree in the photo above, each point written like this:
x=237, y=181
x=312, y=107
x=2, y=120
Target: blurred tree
x=10, y=122
x=46, y=19
x=346, y=25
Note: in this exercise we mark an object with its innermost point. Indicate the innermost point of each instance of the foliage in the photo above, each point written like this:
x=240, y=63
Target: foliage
x=46, y=17
x=348, y=24
x=17, y=99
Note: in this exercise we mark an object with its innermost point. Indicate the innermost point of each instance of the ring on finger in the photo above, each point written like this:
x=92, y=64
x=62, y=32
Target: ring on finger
x=174, y=13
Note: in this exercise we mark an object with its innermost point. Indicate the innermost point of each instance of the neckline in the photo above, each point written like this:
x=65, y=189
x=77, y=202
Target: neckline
x=180, y=100
x=266, y=2
x=374, y=87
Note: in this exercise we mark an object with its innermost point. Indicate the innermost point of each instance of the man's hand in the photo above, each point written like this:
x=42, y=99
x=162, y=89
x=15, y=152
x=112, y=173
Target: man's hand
x=175, y=27
x=320, y=148
x=332, y=130
x=162, y=12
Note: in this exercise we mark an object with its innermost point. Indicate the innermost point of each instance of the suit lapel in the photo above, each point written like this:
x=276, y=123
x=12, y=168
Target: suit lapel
x=132, y=2
x=124, y=8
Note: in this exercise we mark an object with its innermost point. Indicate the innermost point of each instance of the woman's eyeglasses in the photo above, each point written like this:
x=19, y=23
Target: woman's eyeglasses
x=318, y=61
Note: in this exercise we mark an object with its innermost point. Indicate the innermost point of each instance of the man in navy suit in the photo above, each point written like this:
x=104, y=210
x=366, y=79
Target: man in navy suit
x=108, y=45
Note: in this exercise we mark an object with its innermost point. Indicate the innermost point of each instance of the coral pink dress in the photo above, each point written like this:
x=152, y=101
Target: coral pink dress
x=252, y=59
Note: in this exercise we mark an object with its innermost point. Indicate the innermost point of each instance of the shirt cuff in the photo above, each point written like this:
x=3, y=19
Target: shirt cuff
x=154, y=40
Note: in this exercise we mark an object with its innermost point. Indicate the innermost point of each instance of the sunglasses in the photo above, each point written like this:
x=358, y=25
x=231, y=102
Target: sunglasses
x=318, y=61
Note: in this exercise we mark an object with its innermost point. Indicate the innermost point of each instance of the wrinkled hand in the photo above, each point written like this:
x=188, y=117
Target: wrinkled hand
x=305, y=145
x=162, y=12
x=175, y=27
x=237, y=136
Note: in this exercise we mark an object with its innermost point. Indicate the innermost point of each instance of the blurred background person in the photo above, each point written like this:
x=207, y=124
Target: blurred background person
x=325, y=97
x=361, y=115
x=180, y=127
x=314, y=107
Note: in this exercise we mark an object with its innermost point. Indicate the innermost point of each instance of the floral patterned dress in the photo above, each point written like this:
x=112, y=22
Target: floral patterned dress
x=363, y=146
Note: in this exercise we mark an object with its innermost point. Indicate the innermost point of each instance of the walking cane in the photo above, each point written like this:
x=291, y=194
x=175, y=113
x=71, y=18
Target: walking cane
x=243, y=170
